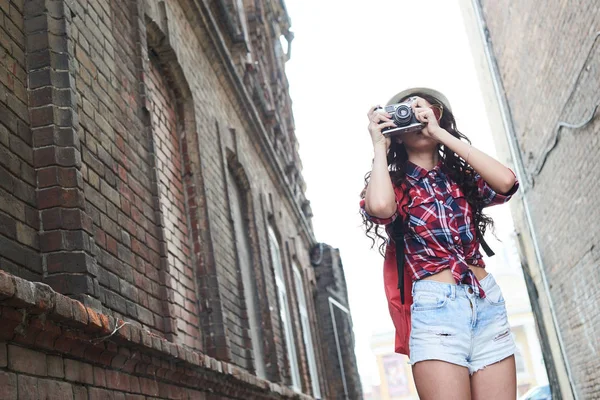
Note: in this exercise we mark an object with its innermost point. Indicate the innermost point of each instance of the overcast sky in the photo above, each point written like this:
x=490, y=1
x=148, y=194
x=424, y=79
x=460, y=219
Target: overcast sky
x=346, y=57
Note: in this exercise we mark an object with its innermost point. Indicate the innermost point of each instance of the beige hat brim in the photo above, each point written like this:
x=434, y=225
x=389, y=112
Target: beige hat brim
x=406, y=93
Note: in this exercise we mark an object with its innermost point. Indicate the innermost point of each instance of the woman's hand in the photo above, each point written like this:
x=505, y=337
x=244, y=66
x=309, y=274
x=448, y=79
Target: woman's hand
x=378, y=121
x=425, y=114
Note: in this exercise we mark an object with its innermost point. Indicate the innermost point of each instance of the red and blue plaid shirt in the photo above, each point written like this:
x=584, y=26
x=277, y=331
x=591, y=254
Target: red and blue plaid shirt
x=440, y=233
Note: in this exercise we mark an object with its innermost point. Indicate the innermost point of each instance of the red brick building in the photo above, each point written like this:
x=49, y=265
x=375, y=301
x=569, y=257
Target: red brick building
x=539, y=66
x=155, y=239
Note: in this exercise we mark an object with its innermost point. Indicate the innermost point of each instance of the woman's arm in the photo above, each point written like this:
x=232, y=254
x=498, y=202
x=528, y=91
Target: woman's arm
x=499, y=177
x=380, y=199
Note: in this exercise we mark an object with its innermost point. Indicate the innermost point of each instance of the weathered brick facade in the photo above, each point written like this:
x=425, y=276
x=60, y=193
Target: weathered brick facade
x=336, y=324
x=548, y=62
x=147, y=162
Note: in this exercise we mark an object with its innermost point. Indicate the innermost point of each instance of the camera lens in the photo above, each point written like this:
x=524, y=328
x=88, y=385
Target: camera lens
x=402, y=115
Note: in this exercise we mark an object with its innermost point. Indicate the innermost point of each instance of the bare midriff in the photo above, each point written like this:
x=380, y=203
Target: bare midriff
x=446, y=275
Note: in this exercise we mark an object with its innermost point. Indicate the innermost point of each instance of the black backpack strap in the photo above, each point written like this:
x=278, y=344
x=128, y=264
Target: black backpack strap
x=398, y=237
x=486, y=247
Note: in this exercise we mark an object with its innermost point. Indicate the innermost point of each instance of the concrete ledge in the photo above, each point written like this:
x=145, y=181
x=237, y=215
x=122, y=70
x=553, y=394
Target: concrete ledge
x=45, y=327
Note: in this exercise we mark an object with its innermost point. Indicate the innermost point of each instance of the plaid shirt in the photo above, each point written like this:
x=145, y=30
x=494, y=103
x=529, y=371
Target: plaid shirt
x=440, y=233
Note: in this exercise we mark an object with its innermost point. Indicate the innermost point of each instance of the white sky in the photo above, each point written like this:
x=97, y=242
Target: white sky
x=346, y=57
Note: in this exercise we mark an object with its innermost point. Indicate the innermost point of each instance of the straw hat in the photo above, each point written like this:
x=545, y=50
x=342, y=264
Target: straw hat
x=405, y=93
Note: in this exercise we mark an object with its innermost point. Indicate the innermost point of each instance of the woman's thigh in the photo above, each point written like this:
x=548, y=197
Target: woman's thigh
x=496, y=381
x=437, y=380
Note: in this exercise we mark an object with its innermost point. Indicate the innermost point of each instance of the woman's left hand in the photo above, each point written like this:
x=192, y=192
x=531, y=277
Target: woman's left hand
x=425, y=114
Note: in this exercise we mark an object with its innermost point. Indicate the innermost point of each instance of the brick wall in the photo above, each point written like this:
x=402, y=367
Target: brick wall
x=123, y=126
x=118, y=163
x=549, y=62
x=53, y=347
x=19, y=219
x=170, y=166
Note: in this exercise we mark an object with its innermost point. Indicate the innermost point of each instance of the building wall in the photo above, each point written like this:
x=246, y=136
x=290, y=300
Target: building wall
x=124, y=126
x=19, y=219
x=547, y=63
x=335, y=325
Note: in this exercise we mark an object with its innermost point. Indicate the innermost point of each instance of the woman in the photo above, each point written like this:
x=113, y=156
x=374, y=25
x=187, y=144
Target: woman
x=450, y=315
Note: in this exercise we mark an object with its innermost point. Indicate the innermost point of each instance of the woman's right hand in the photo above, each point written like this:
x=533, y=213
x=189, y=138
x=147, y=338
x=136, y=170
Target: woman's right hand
x=378, y=121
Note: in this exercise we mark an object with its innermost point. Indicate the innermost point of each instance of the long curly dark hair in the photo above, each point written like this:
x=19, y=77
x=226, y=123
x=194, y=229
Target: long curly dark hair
x=462, y=173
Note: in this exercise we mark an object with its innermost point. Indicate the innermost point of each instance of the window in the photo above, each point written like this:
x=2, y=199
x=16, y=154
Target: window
x=284, y=45
x=306, y=334
x=235, y=18
x=239, y=214
x=284, y=309
x=344, y=341
x=242, y=17
x=172, y=195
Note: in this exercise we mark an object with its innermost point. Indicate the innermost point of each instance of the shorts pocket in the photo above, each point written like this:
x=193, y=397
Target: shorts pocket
x=494, y=296
x=423, y=301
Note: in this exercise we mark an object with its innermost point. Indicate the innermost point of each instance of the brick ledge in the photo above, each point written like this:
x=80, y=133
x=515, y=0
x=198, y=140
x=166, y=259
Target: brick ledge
x=37, y=317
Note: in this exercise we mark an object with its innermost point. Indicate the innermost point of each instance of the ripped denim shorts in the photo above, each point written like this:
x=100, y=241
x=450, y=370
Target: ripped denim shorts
x=451, y=324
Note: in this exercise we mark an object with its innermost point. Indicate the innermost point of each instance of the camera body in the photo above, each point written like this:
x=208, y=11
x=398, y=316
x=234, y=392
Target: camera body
x=404, y=118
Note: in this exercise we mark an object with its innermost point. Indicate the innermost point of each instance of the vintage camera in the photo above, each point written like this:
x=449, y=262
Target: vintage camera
x=403, y=116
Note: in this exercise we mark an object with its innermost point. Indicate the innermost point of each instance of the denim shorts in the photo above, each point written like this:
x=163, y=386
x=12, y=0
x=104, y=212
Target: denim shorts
x=451, y=324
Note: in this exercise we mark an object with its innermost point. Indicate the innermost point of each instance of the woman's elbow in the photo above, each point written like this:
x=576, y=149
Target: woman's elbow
x=508, y=182
x=380, y=209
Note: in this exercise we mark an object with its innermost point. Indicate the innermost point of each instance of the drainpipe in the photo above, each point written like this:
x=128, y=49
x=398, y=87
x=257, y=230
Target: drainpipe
x=521, y=175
